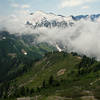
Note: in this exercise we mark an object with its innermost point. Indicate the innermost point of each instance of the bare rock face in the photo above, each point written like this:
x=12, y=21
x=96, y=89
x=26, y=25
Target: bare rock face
x=24, y=98
x=88, y=98
x=61, y=72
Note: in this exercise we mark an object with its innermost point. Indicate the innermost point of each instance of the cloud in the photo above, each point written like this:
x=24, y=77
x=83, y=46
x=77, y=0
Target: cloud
x=73, y=3
x=83, y=38
x=25, y=6
x=15, y=5
x=85, y=7
x=15, y=23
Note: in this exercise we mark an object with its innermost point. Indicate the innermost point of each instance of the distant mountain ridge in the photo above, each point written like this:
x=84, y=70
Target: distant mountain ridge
x=42, y=19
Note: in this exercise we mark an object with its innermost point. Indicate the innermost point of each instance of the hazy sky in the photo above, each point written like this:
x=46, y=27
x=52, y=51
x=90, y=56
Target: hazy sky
x=64, y=7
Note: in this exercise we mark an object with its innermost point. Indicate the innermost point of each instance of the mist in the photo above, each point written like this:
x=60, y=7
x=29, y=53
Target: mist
x=83, y=37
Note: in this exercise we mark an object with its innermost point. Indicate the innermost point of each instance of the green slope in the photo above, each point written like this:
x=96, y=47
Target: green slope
x=74, y=77
x=13, y=61
x=50, y=65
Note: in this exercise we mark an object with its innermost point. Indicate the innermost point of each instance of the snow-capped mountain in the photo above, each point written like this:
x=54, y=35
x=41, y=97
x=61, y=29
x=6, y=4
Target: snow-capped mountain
x=42, y=19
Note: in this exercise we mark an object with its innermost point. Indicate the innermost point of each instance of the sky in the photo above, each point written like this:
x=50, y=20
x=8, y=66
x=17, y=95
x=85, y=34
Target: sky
x=59, y=7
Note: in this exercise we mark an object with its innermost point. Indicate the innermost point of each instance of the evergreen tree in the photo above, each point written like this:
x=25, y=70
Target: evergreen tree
x=31, y=91
x=38, y=89
x=51, y=80
x=44, y=84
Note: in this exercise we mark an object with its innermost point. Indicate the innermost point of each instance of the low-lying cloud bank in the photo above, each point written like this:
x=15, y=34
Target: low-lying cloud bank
x=83, y=37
